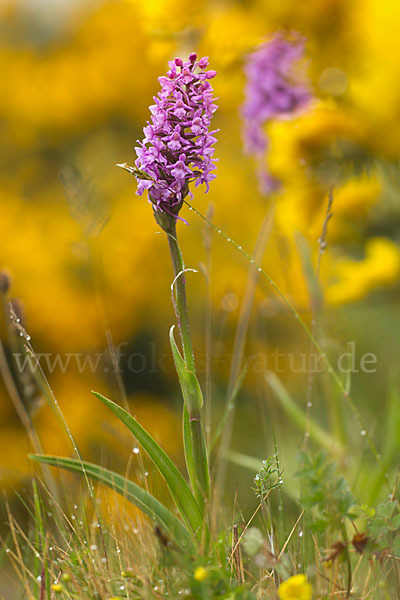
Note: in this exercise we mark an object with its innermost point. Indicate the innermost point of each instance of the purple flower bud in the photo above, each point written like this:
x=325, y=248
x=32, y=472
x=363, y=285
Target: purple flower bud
x=177, y=148
x=274, y=90
x=203, y=62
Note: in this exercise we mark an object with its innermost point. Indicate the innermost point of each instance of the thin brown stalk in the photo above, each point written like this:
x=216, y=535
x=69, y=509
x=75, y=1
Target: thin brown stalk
x=237, y=555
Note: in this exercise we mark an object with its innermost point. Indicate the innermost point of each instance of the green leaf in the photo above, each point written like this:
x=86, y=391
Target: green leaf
x=131, y=491
x=202, y=486
x=191, y=390
x=177, y=485
x=187, y=445
x=396, y=522
x=386, y=509
x=396, y=546
x=193, y=436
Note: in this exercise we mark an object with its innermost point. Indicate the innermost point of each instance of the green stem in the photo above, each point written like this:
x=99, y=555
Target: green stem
x=195, y=447
x=180, y=302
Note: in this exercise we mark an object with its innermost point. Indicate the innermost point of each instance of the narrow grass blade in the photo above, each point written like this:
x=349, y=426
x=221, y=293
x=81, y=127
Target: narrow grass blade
x=317, y=433
x=177, y=485
x=132, y=492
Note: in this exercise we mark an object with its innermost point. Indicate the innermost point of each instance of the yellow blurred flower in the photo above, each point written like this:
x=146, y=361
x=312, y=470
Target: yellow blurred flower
x=226, y=23
x=169, y=16
x=355, y=279
x=295, y=588
x=352, y=203
x=14, y=464
x=200, y=574
x=324, y=124
x=372, y=88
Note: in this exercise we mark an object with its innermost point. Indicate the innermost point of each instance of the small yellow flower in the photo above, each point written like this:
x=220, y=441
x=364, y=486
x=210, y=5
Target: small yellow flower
x=57, y=587
x=295, y=588
x=200, y=574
